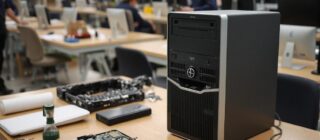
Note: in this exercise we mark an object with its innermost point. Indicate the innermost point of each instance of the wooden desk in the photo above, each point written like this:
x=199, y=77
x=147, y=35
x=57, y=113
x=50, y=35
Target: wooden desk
x=55, y=24
x=27, y=19
x=103, y=41
x=94, y=49
x=156, y=52
x=306, y=72
x=153, y=127
x=154, y=18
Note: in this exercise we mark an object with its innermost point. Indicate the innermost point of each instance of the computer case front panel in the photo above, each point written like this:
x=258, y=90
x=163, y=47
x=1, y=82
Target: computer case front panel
x=194, y=102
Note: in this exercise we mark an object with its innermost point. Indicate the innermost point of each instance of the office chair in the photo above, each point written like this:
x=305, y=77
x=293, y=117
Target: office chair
x=133, y=63
x=36, y=55
x=298, y=101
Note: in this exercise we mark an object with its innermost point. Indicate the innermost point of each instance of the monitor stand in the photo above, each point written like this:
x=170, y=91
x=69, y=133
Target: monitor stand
x=317, y=70
x=42, y=23
x=288, y=56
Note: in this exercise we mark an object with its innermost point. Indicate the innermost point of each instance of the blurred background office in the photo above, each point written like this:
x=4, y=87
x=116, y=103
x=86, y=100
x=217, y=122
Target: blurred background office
x=143, y=16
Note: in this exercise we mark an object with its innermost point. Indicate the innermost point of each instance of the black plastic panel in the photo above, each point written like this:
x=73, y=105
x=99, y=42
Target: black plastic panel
x=206, y=67
x=192, y=115
x=194, y=34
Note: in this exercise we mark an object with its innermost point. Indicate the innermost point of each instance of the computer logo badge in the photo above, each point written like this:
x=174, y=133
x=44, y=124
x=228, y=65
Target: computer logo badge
x=191, y=72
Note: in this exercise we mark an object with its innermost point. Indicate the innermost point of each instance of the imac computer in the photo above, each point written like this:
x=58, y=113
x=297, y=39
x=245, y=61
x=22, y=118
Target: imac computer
x=304, y=13
x=160, y=9
x=296, y=42
x=69, y=15
x=42, y=16
x=118, y=22
x=81, y=3
x=92, y=2
x=24, y=10
x=58, y=3
x=268, y=5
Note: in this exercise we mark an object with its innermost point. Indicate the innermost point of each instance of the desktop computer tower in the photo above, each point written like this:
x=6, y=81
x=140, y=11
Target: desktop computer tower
x=222, y=73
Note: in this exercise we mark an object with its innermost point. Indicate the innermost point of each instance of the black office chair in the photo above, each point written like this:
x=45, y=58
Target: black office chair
x=133, y=63
x=298, y=100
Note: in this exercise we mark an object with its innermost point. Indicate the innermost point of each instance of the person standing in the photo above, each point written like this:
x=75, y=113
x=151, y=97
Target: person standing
x=5, y=9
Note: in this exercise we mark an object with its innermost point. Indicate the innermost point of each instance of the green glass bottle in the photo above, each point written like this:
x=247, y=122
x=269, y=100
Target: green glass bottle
x=50, y=131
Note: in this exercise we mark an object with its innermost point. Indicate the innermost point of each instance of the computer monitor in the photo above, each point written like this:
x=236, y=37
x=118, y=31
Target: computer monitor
x=92, y=2
x=160, y=9
x=24, y=10
x=42, y=16
x=43, y=2
x=58, y=3
x=81, y=3
x=267, y=5
x=69, y=15
x=117, y=2
x=296, y=42
x=300, y=12
x=118, y=22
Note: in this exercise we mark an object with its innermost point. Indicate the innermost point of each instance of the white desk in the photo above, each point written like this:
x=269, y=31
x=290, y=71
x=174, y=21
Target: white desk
x=92, y=49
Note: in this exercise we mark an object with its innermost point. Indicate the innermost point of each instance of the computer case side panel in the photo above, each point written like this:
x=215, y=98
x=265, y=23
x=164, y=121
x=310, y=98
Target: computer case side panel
x=252, y=56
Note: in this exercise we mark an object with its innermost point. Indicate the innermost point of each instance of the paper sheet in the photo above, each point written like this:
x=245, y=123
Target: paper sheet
x=18, y=104
x=57, y=37
x=11, y=25
x=92, y=32
x=55, y=21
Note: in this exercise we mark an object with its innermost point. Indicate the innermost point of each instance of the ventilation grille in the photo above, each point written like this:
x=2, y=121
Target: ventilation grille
x=178, y=65
x=177, y=72
x=193, y=114
x=207, y=71
x=207, y=79
x=177, y=69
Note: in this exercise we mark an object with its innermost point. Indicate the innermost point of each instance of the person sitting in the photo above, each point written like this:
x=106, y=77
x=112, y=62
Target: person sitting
x=200, y=5
x=140, y=24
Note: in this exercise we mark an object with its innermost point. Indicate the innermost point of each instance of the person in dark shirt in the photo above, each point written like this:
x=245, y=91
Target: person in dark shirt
x=5, y=9
x=199, y=5
x=141, y=25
